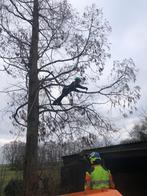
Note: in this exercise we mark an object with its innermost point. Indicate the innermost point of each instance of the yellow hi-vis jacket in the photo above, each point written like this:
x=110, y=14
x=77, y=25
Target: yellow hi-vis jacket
x=99, y=178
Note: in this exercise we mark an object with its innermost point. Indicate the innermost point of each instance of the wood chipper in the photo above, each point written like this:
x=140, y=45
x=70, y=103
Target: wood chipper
x=109, y=192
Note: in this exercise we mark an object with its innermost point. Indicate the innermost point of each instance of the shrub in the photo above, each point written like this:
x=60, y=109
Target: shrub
x=13, y=188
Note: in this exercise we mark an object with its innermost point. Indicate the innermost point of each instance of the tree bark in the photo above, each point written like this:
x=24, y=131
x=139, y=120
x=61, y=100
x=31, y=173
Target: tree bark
x=30, y=165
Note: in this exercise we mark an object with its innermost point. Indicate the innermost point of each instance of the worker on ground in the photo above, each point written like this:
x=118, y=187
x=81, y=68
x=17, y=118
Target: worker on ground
x=98, y=178
x=68, y=89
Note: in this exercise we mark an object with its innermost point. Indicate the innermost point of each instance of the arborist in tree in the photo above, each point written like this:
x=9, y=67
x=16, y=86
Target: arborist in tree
x=98, y=178
x=68, y=89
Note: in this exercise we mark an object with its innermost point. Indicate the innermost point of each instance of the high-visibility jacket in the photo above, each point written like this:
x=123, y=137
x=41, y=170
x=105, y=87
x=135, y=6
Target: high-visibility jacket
x=99, y=178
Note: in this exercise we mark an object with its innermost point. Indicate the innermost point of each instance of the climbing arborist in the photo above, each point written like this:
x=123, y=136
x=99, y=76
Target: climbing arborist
x=68, y=89
x=98, y=177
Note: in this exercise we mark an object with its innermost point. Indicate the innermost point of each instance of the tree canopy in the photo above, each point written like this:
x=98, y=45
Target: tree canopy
x=69, y=45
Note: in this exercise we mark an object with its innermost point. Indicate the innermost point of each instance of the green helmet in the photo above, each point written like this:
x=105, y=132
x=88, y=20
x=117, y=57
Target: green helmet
x=77, y=79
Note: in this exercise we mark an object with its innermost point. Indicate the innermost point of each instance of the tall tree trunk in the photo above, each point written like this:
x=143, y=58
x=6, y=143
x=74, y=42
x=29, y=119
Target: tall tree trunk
x=30, y=166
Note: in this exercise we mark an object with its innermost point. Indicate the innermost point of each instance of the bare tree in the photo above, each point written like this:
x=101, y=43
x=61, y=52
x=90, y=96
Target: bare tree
x=45, y=44
x=139, y=131
x=14, y=154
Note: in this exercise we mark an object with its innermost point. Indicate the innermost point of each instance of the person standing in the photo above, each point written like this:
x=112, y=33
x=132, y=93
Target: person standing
x=98, y=178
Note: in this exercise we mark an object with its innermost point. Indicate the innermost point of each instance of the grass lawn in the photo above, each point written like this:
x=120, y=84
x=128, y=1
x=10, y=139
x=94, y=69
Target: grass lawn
x=6, y=174
x=51, y=176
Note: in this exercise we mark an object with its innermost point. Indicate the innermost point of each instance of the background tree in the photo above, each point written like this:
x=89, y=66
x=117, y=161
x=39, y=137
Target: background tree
x=14, y=154
x=139, y=131
x=45, y=44
x=51, y=152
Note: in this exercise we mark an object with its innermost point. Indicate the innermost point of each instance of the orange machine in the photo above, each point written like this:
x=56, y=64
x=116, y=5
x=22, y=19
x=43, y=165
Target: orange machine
x=108, y=192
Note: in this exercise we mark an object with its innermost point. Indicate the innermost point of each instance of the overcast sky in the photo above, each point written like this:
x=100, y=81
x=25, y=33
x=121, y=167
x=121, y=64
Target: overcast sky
x=128, y=19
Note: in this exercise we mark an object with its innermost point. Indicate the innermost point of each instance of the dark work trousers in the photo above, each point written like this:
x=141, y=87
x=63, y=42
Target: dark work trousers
x=66, y=90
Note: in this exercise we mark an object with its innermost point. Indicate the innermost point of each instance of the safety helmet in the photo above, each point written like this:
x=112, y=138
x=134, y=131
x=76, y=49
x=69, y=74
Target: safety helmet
x=77, y=79
x=94, y=157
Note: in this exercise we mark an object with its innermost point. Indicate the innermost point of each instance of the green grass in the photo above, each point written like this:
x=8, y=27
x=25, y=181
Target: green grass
x=6, y=174
x=52, y=174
